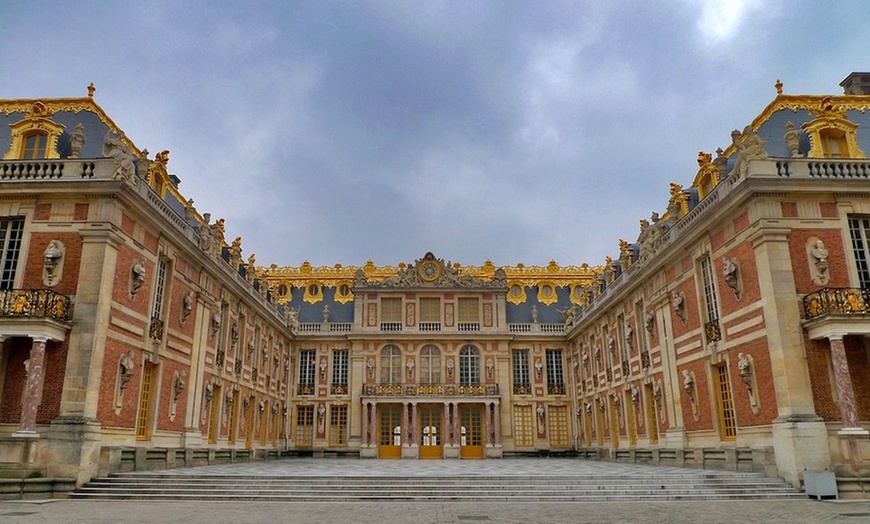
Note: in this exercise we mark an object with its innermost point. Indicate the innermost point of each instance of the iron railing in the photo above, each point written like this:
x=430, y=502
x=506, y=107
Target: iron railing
x=156, y=329
x=555, y=389
x=431, y=390
x=523, y=388
x=837, y=300
x=39, y=303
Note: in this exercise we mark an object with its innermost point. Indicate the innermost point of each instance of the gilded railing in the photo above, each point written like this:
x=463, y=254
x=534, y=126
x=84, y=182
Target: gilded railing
x=43, y=303
x=843, y=300
x=555, y=389
x=156, y=329
x=430, y=390
x=522, y=388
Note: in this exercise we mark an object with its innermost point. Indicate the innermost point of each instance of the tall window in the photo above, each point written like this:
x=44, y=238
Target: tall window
x=711, y=304
x=859, y=228
x=726, y=405
x=555, y=374
x=11, y=230
x=430, y=310
x=339, y=371
x=468, y=310
x=157, y=305
x=523, y=426
x=430, y=365
x=391, y=365
x=558, y=425
x=469, y=365
x=143, y=413
x=522, y=384
x=338, y=426
x=35, y=146
x=307, y=371
x=304, y=425
x=391, y=309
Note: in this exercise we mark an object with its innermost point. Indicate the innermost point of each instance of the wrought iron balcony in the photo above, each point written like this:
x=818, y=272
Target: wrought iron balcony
x=38, y=303
x=555, y=389
x=523, y=389
x=305, y=389
x=430, y=390
x=713, y=331
x=644, y=359
x=837, y=301
x=339, y=389
x=626, y=369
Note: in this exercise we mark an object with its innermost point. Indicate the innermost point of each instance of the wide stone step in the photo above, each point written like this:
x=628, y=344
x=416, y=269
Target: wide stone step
x=168, y=486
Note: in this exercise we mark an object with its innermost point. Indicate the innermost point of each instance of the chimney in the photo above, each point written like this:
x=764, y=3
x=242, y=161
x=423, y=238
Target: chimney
x=856, y=84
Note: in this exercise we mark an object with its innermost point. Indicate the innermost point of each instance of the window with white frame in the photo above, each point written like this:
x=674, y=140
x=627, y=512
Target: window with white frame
x=11, y=231
x=859, y=229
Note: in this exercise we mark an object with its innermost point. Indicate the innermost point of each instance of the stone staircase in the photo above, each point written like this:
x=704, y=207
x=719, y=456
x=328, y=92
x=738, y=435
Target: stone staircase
x=466, y=488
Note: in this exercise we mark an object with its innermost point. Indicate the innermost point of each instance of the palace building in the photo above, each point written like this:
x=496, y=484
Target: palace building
x=733, y=333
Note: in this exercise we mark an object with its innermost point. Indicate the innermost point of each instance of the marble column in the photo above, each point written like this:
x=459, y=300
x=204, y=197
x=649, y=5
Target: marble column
x=414, y=429
x=845, y=392
x=365, y=424
x=446, y=436
x=457, y=433
x=374, y=424
x=487, y=424
x=405, y=423
x=35, y=366
x=496, y=423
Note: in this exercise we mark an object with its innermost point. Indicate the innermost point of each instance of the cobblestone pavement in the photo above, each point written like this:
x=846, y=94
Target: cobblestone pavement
x=92, y=512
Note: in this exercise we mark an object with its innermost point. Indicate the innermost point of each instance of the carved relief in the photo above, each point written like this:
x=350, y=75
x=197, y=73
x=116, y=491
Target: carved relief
x=430, y=271
x=490, y=369
x=52, y=263
x=137, y=277
x=370, y=368
x=818, y=257
x=291, y=315
x=409, y=365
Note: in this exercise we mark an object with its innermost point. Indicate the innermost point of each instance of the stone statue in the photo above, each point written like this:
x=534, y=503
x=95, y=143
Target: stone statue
x=137, y=277
x=186, y=307
x=205, y=239
x=325, y=313
x=115, y=148
x=750, y=147
x=820, y=261
x=792, y=139
x=178, y=386
x=569, y=313
x=744, y=365
x=730, y=272
x=534, y=314
x=51, y=263
x=359, y=277
x=77, y=140
x=125, y=370
x=649, y=321
x=689, y=384
x=678, y=302
x=291, y=315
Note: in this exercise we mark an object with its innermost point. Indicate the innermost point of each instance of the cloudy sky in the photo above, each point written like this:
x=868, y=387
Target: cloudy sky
x=516, y=131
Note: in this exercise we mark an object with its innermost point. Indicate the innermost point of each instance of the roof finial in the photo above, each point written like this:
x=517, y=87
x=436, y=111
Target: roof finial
x=91, y=90
x=778, y=86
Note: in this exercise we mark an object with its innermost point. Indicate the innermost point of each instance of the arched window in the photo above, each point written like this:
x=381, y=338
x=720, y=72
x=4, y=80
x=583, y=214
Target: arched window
x=430, y=365
x=391, y=365
x=469, y=365
x=35, y=146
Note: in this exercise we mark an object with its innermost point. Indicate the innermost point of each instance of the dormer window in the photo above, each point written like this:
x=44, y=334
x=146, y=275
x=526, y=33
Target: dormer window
x=35, y=146
x=834, y=143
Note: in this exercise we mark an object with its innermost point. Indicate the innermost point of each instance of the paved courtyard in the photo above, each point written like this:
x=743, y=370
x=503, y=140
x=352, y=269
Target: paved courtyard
x=95, y=512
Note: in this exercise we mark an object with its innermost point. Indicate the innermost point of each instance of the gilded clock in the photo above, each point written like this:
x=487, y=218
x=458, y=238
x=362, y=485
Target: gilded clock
x=429, y=271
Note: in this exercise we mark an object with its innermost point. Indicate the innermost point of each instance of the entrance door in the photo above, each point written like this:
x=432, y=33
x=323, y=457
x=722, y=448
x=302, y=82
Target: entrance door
x=390, y=438
x=431, y=446
x=471, y=432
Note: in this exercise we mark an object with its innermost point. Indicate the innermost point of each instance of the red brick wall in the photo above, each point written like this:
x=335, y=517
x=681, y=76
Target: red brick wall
x=106, y=409
x=758, y=349
x=121, y=290
x=701, y=397
x=748, y=276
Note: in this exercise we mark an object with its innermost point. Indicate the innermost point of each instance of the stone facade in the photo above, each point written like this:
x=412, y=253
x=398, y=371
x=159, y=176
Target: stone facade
x=733, y=334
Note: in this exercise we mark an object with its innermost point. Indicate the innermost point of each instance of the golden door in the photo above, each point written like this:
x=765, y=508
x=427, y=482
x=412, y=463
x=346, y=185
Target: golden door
x=471, y=432
x=431, y=445
x=390, y=437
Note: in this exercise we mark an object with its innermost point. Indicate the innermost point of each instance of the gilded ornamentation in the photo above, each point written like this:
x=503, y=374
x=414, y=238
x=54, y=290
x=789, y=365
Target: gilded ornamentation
x=708, y=174
x=37, y=119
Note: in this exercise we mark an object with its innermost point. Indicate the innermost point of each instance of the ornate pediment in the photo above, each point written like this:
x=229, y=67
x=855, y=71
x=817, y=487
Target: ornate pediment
x=430, y=272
